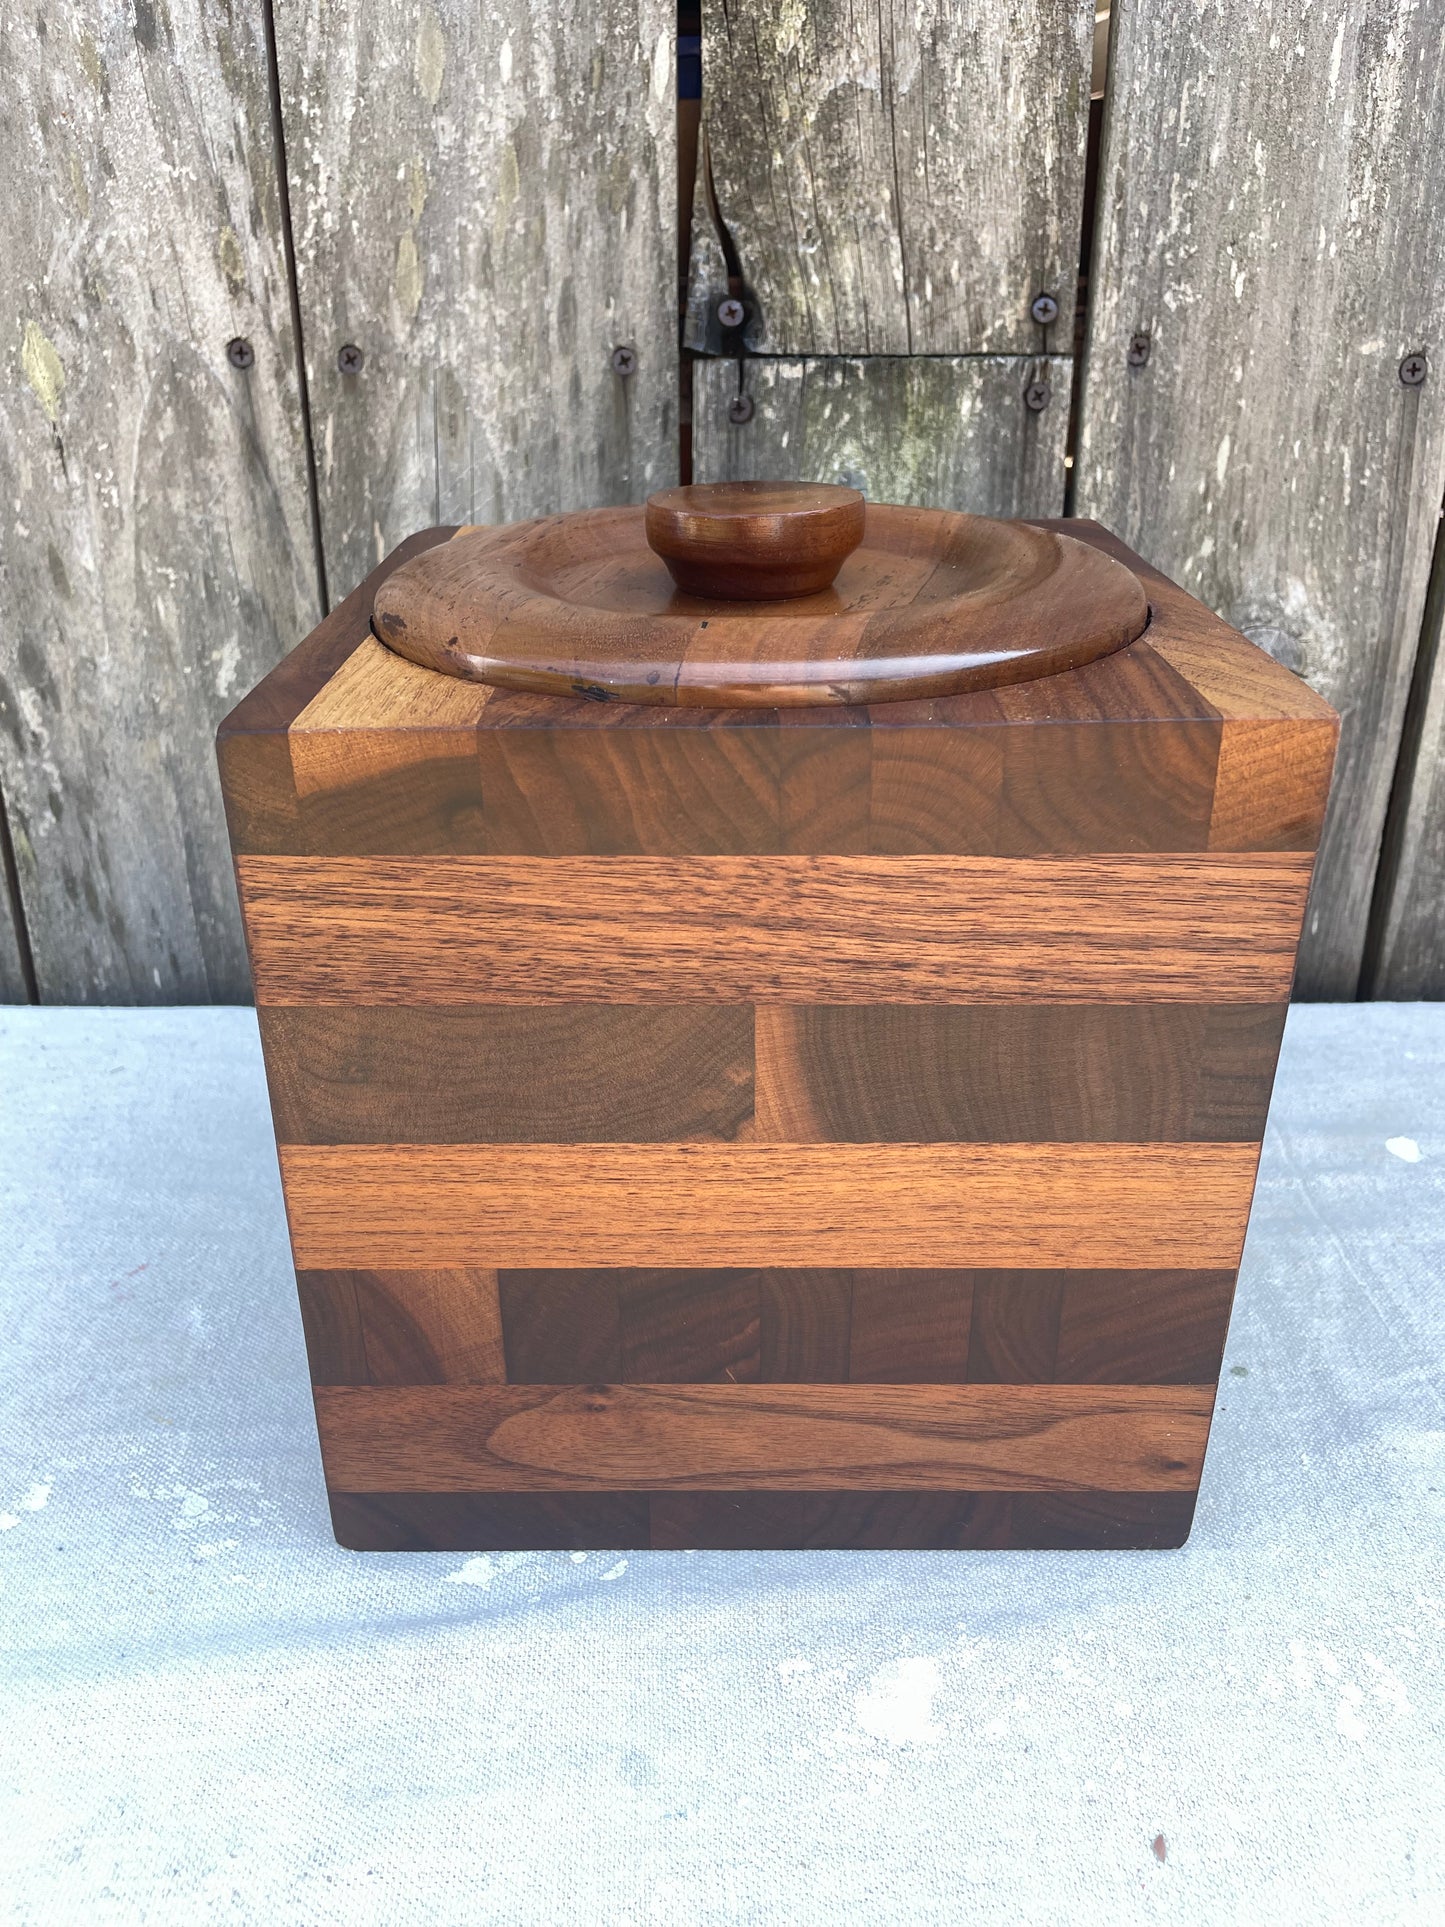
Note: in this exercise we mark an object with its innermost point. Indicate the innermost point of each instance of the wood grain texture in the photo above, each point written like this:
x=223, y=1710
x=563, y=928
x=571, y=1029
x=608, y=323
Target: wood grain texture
x=934, y=1073
x=961, y=1521
x=894, y=180
x=753, y=539
x=1411, y=960
x=157, y=551
x=13, y=987
x=491, y=1521
x=938, y=432
x=769, y=1325
x=402, y=1328
x=405, y=1206
x=928, y=603
x=618, y=1073
x=518, y=190
x=518, y=1438
x=1296, y=198
x=765, y=1521
x=727, y=929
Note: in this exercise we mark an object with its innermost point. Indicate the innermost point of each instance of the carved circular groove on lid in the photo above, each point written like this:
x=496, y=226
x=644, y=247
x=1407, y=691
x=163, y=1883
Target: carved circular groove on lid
x=928, y=603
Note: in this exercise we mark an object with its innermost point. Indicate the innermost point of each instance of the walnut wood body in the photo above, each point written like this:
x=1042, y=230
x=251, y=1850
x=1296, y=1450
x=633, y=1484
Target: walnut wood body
x=931, y=603
x=772, y=1127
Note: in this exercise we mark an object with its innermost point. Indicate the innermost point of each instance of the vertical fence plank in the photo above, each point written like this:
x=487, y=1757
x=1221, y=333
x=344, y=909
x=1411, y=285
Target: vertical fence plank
x=157, y=555
x=937, y=430
x=1267, y=219
x=13, y=987
x=1411, y=959
x=484, y=205
x=892, y=186
x=896, y=178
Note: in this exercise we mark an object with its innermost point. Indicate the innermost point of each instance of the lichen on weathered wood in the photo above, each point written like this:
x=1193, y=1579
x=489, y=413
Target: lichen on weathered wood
x=158, y=554
x=484, y=205
x=935, y=431
x=895, y=179
x=1268, y=218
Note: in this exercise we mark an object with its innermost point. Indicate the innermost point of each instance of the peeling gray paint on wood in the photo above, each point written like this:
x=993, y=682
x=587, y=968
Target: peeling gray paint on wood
x=158, y=556
x=1412, y=939
x=483, y=202
x=941, y=432
x=896, y=178
x=1269, y=216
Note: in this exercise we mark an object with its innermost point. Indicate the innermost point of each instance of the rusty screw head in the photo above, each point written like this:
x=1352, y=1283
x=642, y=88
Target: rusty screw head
x=349, y=359
x=740, y=410
x=1139, y=346
x=624, y=361
x=731, y=312
x=1044, y=309
x=1036, y=396
x=1413, y=369
x=239, y=352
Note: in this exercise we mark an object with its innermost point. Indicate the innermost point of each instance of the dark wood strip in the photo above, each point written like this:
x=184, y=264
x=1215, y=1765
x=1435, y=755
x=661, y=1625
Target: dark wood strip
x=962, y=1521
x=1142, y=1328
x=931, y=1073
x=510, y=1438
x=805, y=1325
x=1101, y=1521
x=607, y=1073
x=1238, y=1051
x=759, y=1521
x=561, y=1327
x=852, y=930
x=490, y=1521
x=689, y=1328
x=1028, y=1206
x=910, y=1327
x=773, y=1326
x=1014, y=1334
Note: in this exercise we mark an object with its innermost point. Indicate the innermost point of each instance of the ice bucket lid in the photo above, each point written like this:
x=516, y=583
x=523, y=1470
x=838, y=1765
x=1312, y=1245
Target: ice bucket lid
x=756, y=594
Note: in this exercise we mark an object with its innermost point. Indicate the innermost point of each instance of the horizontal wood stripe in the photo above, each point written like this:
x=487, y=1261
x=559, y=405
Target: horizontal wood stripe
x=1057, y=1438
x=599, y=1073
x=939, y=1073
x=1188, y=928
x=633, y=1073
x=1026, y=1205
x=765, y=1325
x=735, y=1521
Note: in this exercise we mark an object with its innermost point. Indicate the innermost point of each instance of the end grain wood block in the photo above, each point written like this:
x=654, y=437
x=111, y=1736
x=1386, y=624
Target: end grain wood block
x=752, y=1128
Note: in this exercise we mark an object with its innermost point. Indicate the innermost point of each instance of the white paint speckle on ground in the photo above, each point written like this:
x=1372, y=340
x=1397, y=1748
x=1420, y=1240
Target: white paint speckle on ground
x=476, y=1572
x=616, y=1571
x=38, y=1497
x=1404, y=1147
x=8, y=1519
x=897, y=1704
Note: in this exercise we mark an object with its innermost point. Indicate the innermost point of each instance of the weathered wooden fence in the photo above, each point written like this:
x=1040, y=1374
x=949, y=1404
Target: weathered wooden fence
x=279, y=288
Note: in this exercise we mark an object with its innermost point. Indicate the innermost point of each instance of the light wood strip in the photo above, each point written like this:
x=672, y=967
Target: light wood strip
x=375, y=689
x=380, y=1207
x=1213, y=929
x=522, y=1438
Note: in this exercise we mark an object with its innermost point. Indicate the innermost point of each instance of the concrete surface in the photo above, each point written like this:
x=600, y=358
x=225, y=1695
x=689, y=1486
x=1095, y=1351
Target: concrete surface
x=214, y=1715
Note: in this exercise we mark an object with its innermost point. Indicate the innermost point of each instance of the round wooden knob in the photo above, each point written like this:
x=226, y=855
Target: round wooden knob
x=755, y=541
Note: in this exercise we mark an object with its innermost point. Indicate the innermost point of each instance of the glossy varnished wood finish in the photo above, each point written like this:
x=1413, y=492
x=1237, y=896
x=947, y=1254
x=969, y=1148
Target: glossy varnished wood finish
x=908, y=1049
x=750, y=540
x=766, y=1325
x=1025, y=1205
x=612, y=1073
x=518, y=930
x=932, y=603
x=520, y=1438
